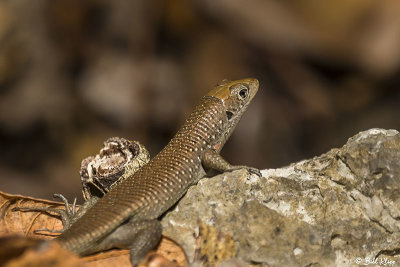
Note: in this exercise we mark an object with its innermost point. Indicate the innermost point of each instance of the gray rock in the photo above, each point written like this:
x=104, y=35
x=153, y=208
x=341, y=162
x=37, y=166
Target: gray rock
x=339, y=209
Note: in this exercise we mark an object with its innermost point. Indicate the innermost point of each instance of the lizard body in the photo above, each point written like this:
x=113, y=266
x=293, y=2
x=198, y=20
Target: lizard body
x=126, y=217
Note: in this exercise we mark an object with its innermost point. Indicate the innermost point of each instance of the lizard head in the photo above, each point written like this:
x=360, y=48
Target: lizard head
x=235, y=96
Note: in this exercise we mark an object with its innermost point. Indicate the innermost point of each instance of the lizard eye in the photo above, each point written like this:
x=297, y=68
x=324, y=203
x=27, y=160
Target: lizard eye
x=243, y=93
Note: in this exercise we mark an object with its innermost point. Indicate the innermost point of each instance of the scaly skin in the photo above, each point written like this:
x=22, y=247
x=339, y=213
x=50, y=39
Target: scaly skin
x=126, y=217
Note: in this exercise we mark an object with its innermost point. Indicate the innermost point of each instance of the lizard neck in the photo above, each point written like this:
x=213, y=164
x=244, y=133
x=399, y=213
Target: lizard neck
x=205, y=127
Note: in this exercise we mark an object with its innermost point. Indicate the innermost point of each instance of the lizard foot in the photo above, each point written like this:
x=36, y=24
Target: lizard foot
x=67, y=215
x=251, y=170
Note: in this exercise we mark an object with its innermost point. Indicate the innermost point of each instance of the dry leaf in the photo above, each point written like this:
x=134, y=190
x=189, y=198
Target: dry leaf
x=17, y=251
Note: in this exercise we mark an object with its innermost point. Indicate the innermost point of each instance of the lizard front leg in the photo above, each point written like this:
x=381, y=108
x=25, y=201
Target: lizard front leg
x=211, y=159
x=140, y=236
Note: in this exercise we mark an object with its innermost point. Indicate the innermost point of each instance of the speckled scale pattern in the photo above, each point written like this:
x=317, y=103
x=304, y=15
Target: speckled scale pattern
x=156, y=186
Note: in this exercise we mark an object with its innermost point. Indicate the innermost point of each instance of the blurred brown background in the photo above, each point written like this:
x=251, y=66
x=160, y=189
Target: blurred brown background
x=73, y=73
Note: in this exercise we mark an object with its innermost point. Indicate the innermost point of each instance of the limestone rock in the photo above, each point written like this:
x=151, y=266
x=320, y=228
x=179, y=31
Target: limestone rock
x=339, y=209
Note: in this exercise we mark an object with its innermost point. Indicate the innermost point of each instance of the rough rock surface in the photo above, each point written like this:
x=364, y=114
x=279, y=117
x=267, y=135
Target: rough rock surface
x=339, y=209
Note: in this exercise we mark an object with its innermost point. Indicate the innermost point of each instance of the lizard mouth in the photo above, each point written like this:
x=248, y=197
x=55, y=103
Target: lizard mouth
x=229, y=115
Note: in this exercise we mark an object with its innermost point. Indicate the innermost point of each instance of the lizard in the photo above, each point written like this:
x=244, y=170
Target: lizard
x=127, y=215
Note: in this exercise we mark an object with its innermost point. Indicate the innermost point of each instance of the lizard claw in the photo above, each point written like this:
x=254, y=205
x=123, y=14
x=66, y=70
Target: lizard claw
x=69, y=211
x=255, y=171
x=251, y=170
